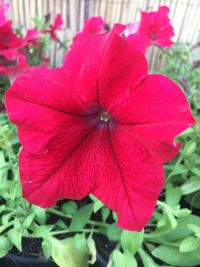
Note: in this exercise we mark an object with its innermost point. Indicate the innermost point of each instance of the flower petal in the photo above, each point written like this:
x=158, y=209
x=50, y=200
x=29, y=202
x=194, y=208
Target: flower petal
x=130, y=181
x=96, y=63
x=120, y=72
x=66, y=171
x=41, y=102
x=160, y=113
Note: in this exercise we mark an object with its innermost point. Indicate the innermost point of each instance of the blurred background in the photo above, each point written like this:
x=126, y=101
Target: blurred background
x=184, y=15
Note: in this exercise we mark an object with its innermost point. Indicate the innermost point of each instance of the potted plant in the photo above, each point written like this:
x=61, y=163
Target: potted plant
x=82, y=233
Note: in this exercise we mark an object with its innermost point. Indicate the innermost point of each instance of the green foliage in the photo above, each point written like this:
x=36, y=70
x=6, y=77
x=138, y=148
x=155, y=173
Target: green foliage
x=72, y=251
x=173, y=256
x=81, y=217
x=131, y=241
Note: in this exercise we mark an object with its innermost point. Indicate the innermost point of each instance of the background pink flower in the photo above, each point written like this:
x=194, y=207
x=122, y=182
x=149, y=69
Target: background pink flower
x=10, y=43
x=12, y=69
x=92, y=26
x=155, y=28
x=55, y=27
x=3, y=8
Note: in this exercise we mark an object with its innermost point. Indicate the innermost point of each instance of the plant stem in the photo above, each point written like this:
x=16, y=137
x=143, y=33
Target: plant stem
x=69, y=231
x=95, y=223
x=171, y=173
x=164, y=243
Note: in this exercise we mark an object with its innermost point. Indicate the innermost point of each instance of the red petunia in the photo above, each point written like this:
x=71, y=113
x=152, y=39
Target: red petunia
x=12, y=69
x=155, y=28
x=99, y=125
x=92, y=26
x=55, y=27
x=10, y=43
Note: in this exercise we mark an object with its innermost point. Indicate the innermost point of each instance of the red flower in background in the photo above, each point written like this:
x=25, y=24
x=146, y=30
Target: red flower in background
x=155, y=28
x=10, y=43
x=3, y=8
x=55, y=27
x=99, y=125
x=12, y=69
x=92, y=26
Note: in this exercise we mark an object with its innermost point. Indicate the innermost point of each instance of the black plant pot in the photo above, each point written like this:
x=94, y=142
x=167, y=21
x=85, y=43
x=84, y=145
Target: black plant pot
x=12, y=260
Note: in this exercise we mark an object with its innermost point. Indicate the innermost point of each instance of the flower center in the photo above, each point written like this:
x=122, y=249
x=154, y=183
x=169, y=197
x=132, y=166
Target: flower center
x=104, y=116
x=153, y=36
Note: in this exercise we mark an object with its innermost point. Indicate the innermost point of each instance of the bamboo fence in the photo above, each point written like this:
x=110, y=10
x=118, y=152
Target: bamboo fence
x=184, y=14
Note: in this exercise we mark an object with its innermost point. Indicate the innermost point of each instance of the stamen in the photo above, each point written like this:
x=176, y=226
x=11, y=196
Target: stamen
x=104, y=116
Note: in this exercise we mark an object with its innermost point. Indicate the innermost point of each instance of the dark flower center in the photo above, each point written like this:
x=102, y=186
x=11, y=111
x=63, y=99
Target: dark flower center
x=104, y=116
x=98, y=116
x=153, y=36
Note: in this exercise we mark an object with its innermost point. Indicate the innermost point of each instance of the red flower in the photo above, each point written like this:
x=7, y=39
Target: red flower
x=12, y=69
x=99, y=125
x=92, y=26
x=3, y=8
x=54, y=27
x=155, y=28
x=10, y=43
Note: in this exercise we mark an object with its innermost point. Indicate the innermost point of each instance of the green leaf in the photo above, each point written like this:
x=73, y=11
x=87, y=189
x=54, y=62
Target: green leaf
x=80, y=242
x=5, y=244
x=173, y=256
x=195, y=171
x=191, y=243
x=3, y=253
x=69, y=208
x=61, y=224
x=40, y=214
x=168, y=234
x=113, y=232
x=28, y=220
x=41, y=231
x=105, y=213
x=180, y=169
x=2, y=164
x=66, y=254
x=190, y=148
x=131, y=241
x=81, y=218
x=131, y=261
x=173, y=195
x=191, y=185
x=16, y=238
x=97, y=203
x=194, y=228
x=146, y=259
x=92, y=249
x=119, y=259
x=162, y=221
x=46, y=248
x=15, y=190
x=181, y=212
x=97, y=206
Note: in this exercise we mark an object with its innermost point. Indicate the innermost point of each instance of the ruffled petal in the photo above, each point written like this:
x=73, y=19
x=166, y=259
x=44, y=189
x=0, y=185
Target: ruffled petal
x=156, y=112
